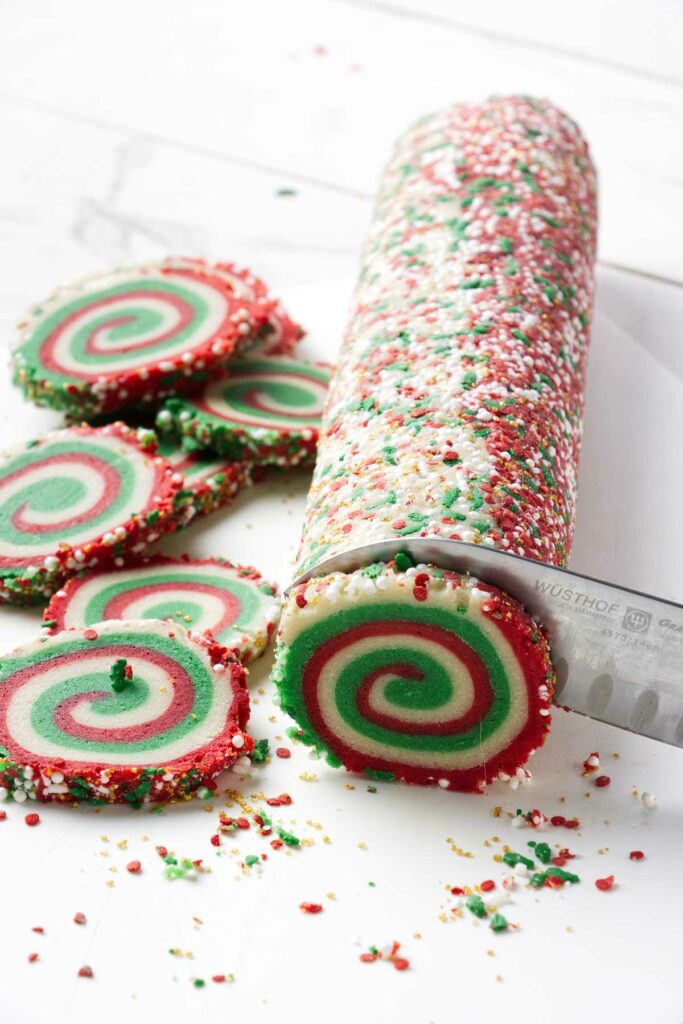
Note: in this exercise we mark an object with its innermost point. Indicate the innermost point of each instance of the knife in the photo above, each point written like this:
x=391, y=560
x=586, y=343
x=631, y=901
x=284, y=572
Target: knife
x=618, y=653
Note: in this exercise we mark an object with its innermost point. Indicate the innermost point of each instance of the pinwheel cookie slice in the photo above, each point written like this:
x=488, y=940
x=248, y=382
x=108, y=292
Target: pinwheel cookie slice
x=135, y=334
x=119, y=712
x=77, y=498
x=268, y=410
x=280, y=333
x=414, y=673
x=232, y=603
x=209, y=481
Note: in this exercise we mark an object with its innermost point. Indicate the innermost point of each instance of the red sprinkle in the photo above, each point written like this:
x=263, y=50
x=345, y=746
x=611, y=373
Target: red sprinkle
x=572, y=823
x=604, y=884
x=311, y=908
x=488, y=885
x=90, y=634
x=218, y=978
x=301, y=600
x=557, y=820
x=559, y=862
x=134, y=866
x=243, y=823
x=79, y=918
x=283, y=752
x=420, y=593
x=636, y=855
x=602, y=781
x=85, y=972
x=276, y=843
x=162, y=851
x=216, y=840
x=32, y=819
x=283, y=800
x=38, y=929
x=3, y=815
x=32, y=957
x=400, y=963
x=368, y=958
x=457, y=891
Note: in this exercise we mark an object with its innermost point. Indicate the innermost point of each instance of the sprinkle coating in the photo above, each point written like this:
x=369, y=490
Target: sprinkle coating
x=455, y=412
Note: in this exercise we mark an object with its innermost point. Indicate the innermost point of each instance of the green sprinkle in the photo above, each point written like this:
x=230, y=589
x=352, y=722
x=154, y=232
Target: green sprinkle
x=199, y=983
x=260, y=751
x=566, y=876
x=382, y=776
x=373, y=571
x=251, y=859
x=403, y=562
x=287, y=838
x=551, y=220
x=543, y=852
x=450, y=497
x=520, y=335
x=117, y=674
x=475, y=904
x=506, y=244
x=498, y=923
x=513, y=859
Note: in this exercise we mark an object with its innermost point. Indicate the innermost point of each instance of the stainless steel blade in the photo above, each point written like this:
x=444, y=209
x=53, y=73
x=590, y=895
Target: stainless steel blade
x=618, y=653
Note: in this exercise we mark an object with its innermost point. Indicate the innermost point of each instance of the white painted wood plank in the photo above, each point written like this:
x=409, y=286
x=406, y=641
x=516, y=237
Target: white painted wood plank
x=75, y=198
x=625, y=34
x=252, y=83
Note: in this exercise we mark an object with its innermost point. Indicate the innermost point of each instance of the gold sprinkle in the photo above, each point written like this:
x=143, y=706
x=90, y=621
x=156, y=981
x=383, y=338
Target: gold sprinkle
x=110, y=883
x=327, y=840
x=489, y=952
x=362, y=846
x=569, y=928
x=331, y=896
x=308, y=777
x=105, y=839
x=122, y=844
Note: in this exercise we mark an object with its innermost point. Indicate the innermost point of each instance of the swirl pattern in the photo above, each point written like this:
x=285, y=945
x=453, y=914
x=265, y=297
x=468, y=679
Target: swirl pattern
x=67, y=499
x=232, y=603
x=266, y=410
x=118, y=337
x=443, y=690
x=181, y=706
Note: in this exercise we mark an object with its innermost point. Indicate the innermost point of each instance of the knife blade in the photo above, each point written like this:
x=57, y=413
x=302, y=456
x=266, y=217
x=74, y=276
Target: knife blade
x=618, y=653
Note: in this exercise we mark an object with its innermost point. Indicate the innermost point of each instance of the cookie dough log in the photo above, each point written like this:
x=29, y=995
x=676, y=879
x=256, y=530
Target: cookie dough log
x=455, y=412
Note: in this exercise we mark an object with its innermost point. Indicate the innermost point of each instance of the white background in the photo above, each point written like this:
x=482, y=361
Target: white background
x=145, y=128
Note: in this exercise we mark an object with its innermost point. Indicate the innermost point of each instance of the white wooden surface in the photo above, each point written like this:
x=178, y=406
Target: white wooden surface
x=142, y=128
